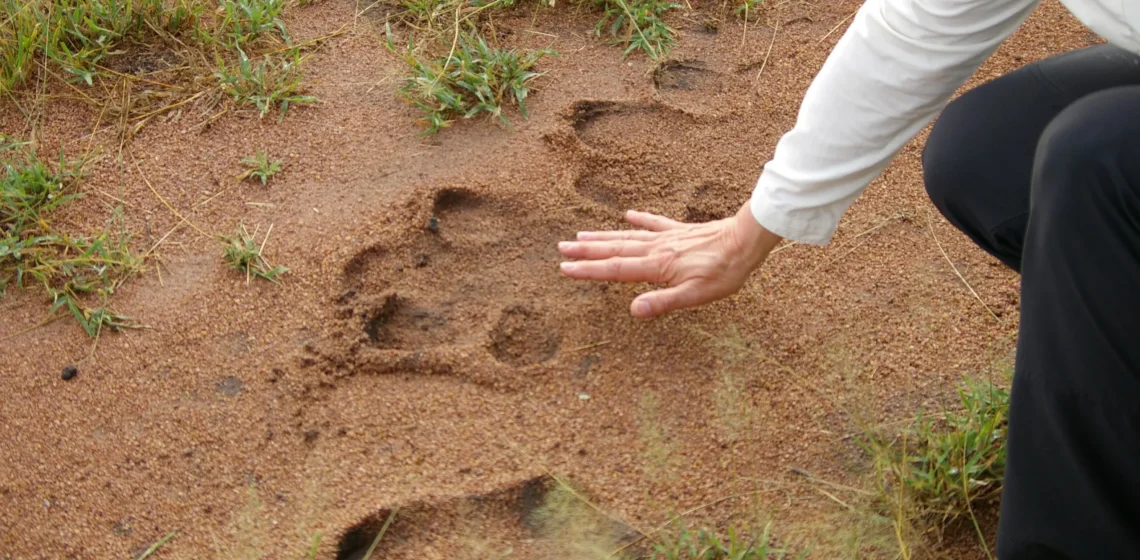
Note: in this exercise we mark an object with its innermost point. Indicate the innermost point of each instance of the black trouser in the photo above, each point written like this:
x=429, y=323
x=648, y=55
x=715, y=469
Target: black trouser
x=1041, y=168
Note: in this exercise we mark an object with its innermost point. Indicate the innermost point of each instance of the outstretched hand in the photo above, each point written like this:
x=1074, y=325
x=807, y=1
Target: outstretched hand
x=698, y=263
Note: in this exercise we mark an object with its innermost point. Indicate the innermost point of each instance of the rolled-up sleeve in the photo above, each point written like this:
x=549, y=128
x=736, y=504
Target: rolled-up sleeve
x=890, y=74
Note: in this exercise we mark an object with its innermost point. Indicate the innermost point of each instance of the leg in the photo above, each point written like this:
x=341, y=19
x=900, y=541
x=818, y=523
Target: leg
x=1073, y=464
x=979, y=158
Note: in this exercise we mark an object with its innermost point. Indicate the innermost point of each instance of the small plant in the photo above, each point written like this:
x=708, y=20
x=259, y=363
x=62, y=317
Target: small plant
x=243, y=254
x=476, y=79
x=706, y=545
x=268, y=84
x=245, y=21
x=638, y=25
x=30, y=188
x=747, y=9
x=961, y=458
x=426, y=12
x=942, y=467
x=259, y=167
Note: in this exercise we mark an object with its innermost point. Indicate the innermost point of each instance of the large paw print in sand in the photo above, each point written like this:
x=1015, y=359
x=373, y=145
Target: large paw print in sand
x=460, y=293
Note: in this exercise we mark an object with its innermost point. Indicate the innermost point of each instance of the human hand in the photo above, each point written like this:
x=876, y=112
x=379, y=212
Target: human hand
x=699, y=263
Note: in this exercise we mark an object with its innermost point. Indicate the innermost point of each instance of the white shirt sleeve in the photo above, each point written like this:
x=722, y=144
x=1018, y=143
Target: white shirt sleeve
x=888, y=77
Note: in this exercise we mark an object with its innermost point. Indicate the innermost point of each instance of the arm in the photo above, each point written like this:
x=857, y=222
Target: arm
x=890, y=74
x=887, y=78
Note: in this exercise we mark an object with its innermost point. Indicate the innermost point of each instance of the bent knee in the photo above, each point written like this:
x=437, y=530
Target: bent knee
x=955, y=152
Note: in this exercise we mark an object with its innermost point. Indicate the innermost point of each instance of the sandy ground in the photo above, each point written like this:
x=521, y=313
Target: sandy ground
x=442, y=373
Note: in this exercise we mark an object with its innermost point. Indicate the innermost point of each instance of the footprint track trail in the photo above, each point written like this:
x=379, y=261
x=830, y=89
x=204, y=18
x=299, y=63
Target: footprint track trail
x=468, y=285
x=465, y=285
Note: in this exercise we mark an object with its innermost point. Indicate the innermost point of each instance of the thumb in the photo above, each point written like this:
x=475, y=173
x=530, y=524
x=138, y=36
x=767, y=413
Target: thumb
x=660, y=302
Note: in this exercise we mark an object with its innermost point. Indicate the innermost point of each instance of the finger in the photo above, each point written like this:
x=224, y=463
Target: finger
x=616, y=269
x=595, y=250
x=630, y=234
x=659, y=302
x=652, y=222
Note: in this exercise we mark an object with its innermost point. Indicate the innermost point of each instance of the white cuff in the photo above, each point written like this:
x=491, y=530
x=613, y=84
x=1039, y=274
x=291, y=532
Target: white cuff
x=813, y=226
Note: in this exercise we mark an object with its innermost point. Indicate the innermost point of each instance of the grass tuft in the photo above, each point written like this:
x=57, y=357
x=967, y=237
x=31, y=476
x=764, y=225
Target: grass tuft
x=476, y=79
x=259, y=167
x=637, y=24
x=943, y=467
x=268, y=84
x=244, y=254
x=246, y=21
x=165, y=53
x=79, y=35
x=70, y=269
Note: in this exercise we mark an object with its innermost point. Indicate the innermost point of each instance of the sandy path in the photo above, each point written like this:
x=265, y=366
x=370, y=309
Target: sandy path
x=396, y=367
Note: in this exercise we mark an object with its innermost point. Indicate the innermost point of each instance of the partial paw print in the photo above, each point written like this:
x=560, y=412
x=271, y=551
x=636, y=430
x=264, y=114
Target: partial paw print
x=461, y=295
x=691, y=86
x=529, y=519
x=651, y=156
x=410, y=528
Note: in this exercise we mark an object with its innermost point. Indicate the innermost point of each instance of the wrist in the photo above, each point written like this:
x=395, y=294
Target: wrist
x=753, y=239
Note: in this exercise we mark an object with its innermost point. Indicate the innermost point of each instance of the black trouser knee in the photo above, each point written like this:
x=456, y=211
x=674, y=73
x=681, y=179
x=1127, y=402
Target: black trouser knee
x=979, y=158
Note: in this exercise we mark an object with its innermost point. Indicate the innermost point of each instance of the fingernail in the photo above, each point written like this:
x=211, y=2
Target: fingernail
x=641, y=307
x=565, y=245
x=568, y=266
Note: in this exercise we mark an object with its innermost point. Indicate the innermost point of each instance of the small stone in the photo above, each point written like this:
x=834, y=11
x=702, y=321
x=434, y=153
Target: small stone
x=69, y=373
x=583, y=396
x=422, y=260
x=433, y=225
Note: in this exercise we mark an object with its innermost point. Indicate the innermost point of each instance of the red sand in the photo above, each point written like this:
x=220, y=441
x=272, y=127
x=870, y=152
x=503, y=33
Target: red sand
x=484, y=367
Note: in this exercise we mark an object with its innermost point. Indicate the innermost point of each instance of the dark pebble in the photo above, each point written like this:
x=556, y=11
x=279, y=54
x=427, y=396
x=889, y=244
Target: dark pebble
x=433, y=225
x=69, y=373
